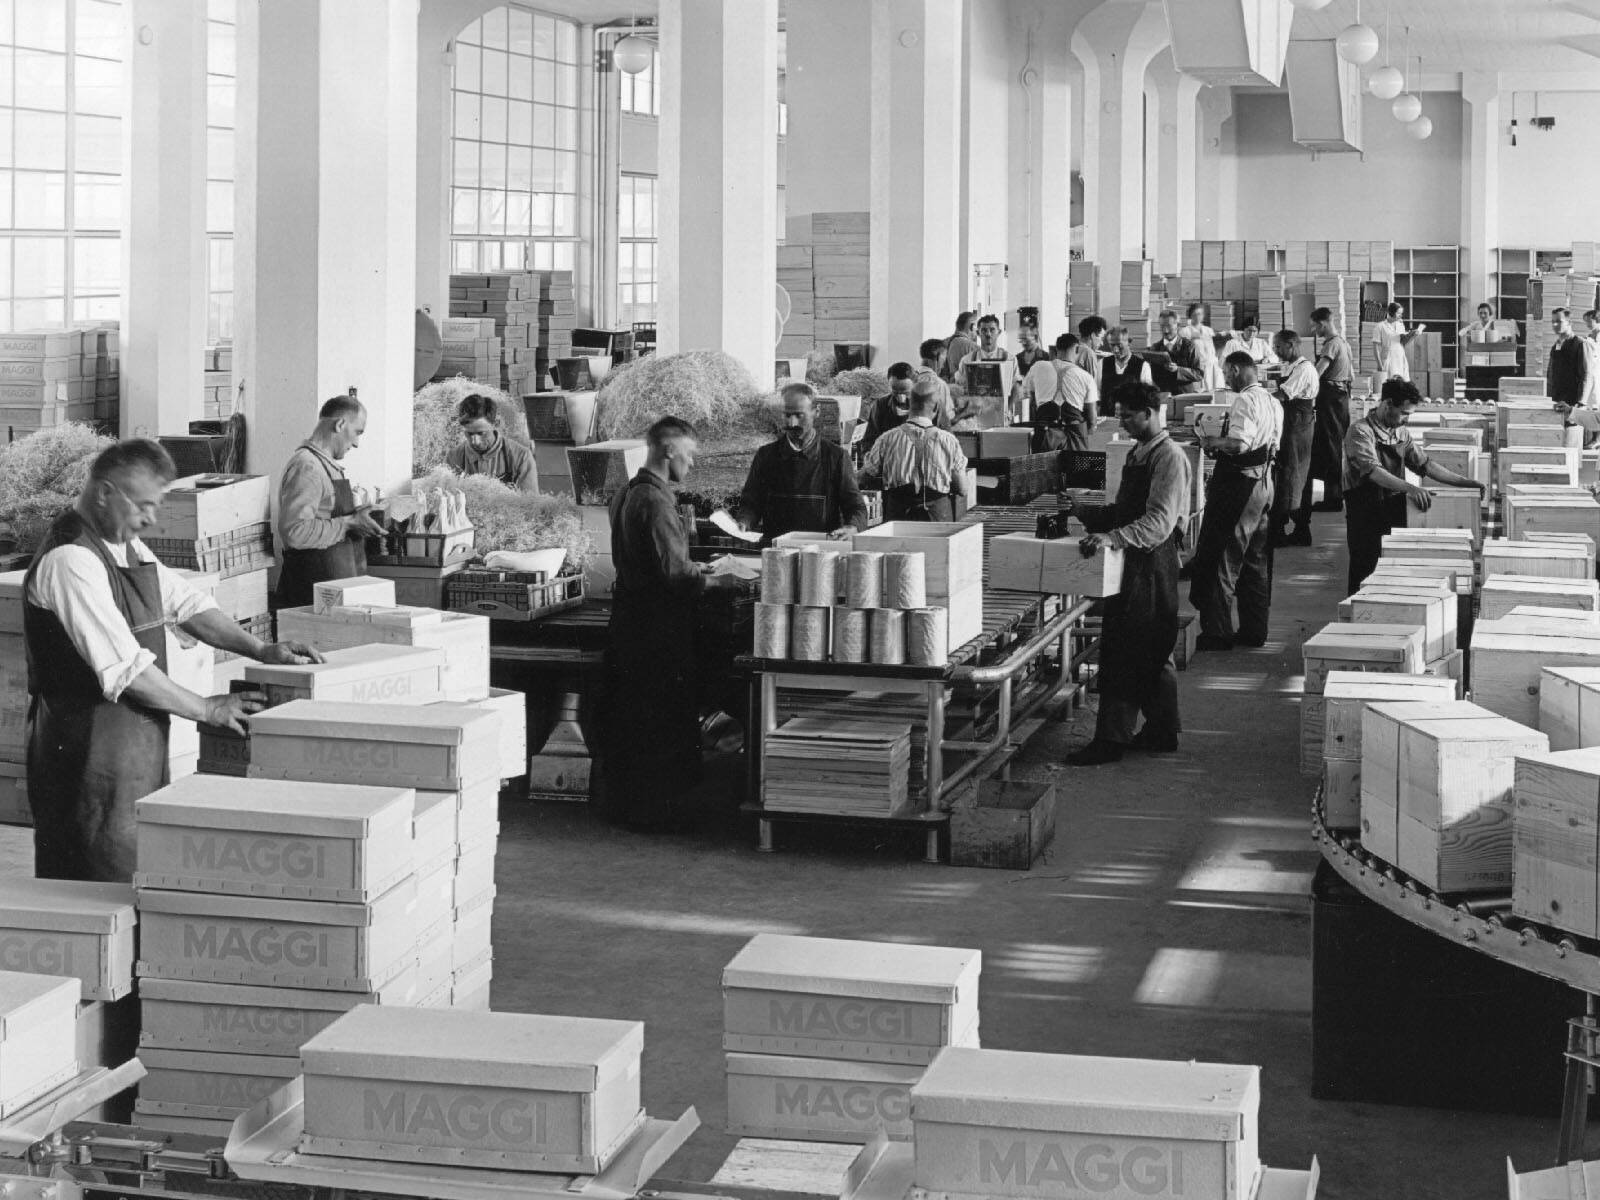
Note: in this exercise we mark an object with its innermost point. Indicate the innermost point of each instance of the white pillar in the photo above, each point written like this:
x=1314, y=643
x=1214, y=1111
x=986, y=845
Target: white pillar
x=163, y=333
x=915, y=167
x=1116, y=43
x=719, y=179
x=1480, y=184
x=1216, y=176
x=325, y=248
x=1173, y=199
x=437, y=28
x=829, y=87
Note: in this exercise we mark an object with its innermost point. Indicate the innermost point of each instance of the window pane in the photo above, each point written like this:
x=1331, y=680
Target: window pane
x=5, y=267
x=469, y=68
x=494, y=29
x=561, y=259
x=220, y=265
x=519, y=168
x=221, y=50
x=565, y=222
x=567, y=128
x=5, y=200
x=97, y=265
x=520, y=39
x=544, y=125
x=98, y=86
x=219, y=154
x=494, y=119
x=541, y=256
x=567, y=41
x=466, y=163
x=625, y=91
x=41, y=140
x=514, y=254
x=567, y=85
x=97, y=201
x=472, y=33
x=464, y=256
x=519, y=81
x=41, y=200
x=8, y=66
x=492, y=171
x=466, y=121
x=491, y=212
x=489, y=256
x=219, y=317
x=5, y=138
x=519, y=123
x=519, y=212
x=544, y=36
x=544, y=82
x=544, y=171
x=625, y=214
x=566, y=173
x=494, y=72
x=42, y=24
x=219, y=102
x=464, y=211
x=41, y=267
x=98, y=29
x=219, y=207
x=625, y=265
x=42, y=80
x=98, y=144
x=544, y=220
x=36, y=314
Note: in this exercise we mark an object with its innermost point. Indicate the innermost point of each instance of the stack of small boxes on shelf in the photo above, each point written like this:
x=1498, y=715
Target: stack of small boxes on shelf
x=470, y=346
x=13, y=704
x=557, y=317
x=504, y=355
x=44, y=381
x=1272, y=303
x=219, y=381
x=826, y=1038
x=266, y=908
x=1083, y=291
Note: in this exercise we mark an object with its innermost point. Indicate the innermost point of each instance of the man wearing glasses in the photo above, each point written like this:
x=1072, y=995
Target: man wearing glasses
x=96, y=607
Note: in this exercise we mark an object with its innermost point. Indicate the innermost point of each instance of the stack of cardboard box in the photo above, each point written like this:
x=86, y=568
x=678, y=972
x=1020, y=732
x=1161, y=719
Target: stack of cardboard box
x=1135, y=302
x=44, y=381
x=1083, y=291
x=102, y=361
x=219, y=380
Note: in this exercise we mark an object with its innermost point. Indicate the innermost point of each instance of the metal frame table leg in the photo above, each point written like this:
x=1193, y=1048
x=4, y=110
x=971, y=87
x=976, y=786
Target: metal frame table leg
x=1583, y=1040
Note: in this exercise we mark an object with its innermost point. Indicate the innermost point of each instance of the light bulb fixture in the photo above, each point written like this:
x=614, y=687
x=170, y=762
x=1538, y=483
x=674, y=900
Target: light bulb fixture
x=1421, y=128
x=1357, y=43
x=1406, y=108
x=632, y=54
x=1386, y=82
x=1311, y=5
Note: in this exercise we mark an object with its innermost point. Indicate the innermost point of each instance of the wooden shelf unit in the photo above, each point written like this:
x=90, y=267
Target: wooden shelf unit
x=1514, y=266
x=1427, y=280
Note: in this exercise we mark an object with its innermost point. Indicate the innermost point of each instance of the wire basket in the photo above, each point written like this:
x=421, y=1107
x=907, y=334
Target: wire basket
x=512, y=595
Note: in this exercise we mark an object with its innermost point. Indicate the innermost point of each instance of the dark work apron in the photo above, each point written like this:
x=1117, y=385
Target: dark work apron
x=1370, y=512
x=1327, y=441
x=911, y=503
x=1140, y=624
x=90, y=759
x=303, y=569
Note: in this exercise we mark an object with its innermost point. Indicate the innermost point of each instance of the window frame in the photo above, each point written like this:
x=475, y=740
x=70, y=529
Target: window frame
x=630, y=308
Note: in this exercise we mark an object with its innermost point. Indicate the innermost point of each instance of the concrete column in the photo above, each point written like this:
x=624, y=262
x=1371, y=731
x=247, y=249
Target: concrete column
x=436, y=30
x=1480, y=184
x=1116, y=42
x=829, y=88
x=164, y=218
x=1216, y=188
x=915, y=169
x=325, y=248
x=1176, y=125
x=719, y=179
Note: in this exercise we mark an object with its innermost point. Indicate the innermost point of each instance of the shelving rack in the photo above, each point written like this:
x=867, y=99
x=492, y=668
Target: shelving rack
x=1513, y=268
x=1427, y=280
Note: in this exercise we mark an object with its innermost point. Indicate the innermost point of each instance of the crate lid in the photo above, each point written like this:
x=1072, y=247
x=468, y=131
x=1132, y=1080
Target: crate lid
x=1539, y=583
x=836, y=967
x=67, y=905
x=186, y=991
x=1377, y=642
x=483, y=1048
x=1066, y=1093
x=432, y=812
x=1373, y=685
x=26, y=1001
x=348, y=665
x=1410, y=711
x=218, y=905
x=1580, y=675
x=337, y=719
x=784, y=1067
x=276, y=806
x=206, y=1062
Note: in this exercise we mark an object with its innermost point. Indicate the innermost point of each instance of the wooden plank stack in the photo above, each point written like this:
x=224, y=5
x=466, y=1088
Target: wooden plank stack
x=854, y=708
x=795, y=276
x=825, y=1038
x=859, y=769
x=841, y=244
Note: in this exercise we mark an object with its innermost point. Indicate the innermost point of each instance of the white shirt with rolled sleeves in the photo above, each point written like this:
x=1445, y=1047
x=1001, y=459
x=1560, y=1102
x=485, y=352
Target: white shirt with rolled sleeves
x=71, y=583
x=1257, y=348
x=1065, y=382
x=1256, y=419
x=1300, y=381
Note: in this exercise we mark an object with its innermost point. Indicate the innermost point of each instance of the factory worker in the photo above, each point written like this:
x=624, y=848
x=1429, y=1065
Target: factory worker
x=1174, y=361
x=1336, y=370
x=801, y=481
x=889, y=412
x=1390, y=339
x=649, y=719
x=485, y=449
x=919, y=465
x=1297, y=392
x=1377, y=453
x=96, y=610
x=1233, y=555
x=1247, y=338
x=321, y=528
x=1487, y=328
x=1140, y=626
x=1062, y=400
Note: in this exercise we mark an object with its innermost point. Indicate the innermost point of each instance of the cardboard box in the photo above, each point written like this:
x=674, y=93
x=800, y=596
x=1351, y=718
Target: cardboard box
x=470, y=986
x=471, y=935
x=473, y=873
x=380, y=744
x=818, y=1099
x=433, y=830
x=463, y=637
x=1556, y=840
x=1500, y=594
x=512, y=709
x=1386, y=649
x=360, y=589
x=41, y=343
x=38, y=1036
x=1541, y=559
x=433, y=970
x=225, y=1019
x=216, y=1087
x=868, y=1001
x=556, y=1093
x=271, y=837
x=197, y=507
x=66, y=927
x=1432, y=611
x=375, y=673
x=277, y=943
x=1508, y=655
x=990, y=1122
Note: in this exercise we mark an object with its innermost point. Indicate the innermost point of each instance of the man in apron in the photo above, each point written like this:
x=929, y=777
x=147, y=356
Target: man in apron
x=1378, y=451
x=801, y=481
x=920, y=466
x=1233, y=555
x=1140, y=625
x=96, y=609
x=1336, y=369
x=320, y=528
x=1061, y=399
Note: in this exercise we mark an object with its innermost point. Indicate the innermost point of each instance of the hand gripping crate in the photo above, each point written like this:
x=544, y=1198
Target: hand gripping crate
x=67, y=927
x=506, y=1090
x=512, y=595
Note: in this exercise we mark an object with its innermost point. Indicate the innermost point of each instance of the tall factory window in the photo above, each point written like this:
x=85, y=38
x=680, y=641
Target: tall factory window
x=641, y=93
x=514, y=156
x=220, y=88
x=636, y=251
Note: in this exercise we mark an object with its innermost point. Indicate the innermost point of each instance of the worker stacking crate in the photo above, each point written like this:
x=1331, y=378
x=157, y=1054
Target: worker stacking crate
x=795, y=278
x=1003, y=1123
x=435, y=748
x=840, y=258
x=267, y=908
x=826, y=1038
x=1436, y=791
x=1509, y=654
x=38, y=1037
x=462, y=637
x=557, y=1095
x=43, y=381
x=1337, y=744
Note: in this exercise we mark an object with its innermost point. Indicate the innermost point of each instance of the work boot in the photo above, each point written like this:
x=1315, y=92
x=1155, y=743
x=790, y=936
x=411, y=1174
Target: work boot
x=1155, y=742
x=1210, y=641
x=1095, y=753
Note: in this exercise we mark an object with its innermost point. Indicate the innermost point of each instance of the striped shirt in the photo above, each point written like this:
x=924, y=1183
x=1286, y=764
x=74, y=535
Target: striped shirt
x=917, y=455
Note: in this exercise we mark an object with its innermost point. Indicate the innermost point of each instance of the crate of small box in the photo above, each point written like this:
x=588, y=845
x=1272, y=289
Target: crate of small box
x=512, y=595
x=247, y=548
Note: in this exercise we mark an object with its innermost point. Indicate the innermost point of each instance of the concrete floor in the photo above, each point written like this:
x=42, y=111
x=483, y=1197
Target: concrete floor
x=1170, y=920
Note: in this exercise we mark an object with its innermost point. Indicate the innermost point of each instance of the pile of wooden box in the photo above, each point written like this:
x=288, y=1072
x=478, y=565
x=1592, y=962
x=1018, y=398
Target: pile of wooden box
x=1083, y=291
x=795, y=276
x=811, y=764
x=507, y=328
x=826, y=1038
x=840, y=276
x=219, y=380
x=1341, y=293
x=267, y=908
x=49, y=377
x=1134, y=306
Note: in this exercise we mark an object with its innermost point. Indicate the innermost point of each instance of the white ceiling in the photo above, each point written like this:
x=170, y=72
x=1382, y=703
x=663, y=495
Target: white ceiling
x=1476, y=35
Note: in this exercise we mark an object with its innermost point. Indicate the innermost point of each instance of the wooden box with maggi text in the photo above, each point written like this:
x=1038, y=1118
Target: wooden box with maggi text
x=471, y=1089
x=224, y=1018
x=818, y=1099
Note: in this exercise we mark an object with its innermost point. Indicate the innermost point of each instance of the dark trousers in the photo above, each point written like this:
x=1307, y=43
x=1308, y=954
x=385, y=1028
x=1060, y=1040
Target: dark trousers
x=1119, y=715
x=1137, y=634
x=907, y=503
x=1369, y=513
x=1327, y=448
x=1233, y=557
x=1292, y=472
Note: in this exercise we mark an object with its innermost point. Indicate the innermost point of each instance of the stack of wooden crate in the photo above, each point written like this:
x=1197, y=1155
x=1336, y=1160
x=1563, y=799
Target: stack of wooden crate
x=825, y=1038
x=558, y=317
x=840, y=250
x=218, y=380
x=1134, y=308
x=795, y=276
x=1330, y=743
x=275, y=906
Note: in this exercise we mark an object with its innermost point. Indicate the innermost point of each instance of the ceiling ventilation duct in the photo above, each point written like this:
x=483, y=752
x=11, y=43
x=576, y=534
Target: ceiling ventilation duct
x=1227, y=43
x=1324, y=97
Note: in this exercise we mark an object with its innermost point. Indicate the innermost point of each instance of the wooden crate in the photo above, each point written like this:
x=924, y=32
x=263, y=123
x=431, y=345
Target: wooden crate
x=1528, y=410
x=1341, y=793
x=1535, y=435
x=197, y=507
x=1386, y=649
x=1435, y=613
x=1556, y=840
x=1452, y=508
x=68, y=927
x=375, y=673
x=558, y=1093
x=953, y=566
x=1002, y=824
x=1531, y=515
x=1508, y=655
x=1460, y=574
x=1502, y=593
x=1348, y=693
x=1016, y=562
x=818, y=1099
x=1569, y=706
x=1511, y=457
x=1581, y=540
x=1066, y=570
x=38, y=1036
x=1383, y=767
x=1543, y=560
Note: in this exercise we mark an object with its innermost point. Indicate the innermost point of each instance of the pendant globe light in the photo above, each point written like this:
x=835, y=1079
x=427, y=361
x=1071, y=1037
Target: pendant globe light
x=1311, y=5
x=1357, y=43
x=1407, y=107
x=1386, y=82
x=632, y=54
x=1420, y=128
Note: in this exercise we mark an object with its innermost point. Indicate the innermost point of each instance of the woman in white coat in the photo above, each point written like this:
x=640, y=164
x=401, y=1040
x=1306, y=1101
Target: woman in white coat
x=1391, y=339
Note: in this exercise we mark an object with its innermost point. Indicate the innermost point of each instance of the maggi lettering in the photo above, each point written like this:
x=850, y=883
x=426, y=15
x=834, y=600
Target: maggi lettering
x=36, y=955
x=375, y=690
x=226, y=1018
x=461, y=1118
x=1093, y=1167
x=233, y=1091
x=846, y=1018
x=855, y=1102
x=353, y=754
x=254, y=856
x=267, y=946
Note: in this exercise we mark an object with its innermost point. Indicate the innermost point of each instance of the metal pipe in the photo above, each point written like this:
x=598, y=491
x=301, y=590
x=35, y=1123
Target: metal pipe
x=1025, y=653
